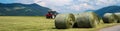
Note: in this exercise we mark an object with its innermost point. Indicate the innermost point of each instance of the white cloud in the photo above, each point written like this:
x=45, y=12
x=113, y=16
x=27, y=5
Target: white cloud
x=87, y=6
x=84, y=0
x=68, y=5
x=37, y=1
x=106, y=2
x=81, y=7
x=42, y=4
x=74, y=7
x=56, y=2
x=24, y=1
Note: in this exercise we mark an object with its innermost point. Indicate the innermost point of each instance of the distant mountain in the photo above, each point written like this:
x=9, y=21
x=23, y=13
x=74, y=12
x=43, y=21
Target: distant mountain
x=89, y=11
x=109, y=9
x=17, y=9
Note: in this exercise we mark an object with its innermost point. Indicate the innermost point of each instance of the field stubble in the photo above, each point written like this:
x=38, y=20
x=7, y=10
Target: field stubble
x=36, y=23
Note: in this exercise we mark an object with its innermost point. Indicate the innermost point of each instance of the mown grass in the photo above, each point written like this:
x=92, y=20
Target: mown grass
x=36, y=23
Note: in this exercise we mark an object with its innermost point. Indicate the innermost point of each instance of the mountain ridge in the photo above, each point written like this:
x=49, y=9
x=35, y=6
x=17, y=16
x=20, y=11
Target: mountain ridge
x=109, y=9
x=18, y=9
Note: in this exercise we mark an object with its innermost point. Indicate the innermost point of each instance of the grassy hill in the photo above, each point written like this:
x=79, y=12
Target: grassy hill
x=18, y=9
x=109, y=9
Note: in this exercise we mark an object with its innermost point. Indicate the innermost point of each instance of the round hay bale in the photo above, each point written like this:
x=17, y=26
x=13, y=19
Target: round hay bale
x=63, y=21
x=75, y=24
x=88, y=20
x=101, y=21
x=117, y=16
x=109, y=18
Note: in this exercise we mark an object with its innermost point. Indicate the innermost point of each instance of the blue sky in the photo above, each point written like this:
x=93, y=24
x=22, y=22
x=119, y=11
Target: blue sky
x=67, y=6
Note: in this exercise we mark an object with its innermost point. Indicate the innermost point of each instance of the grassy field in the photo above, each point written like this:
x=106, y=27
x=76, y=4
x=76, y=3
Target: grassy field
x=36, y=23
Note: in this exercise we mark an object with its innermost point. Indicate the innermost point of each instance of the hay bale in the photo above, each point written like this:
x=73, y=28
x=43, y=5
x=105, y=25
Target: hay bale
x=118, y=17
x=109, y=18
x=87, y=19
x=75, y=24
x=101, y=21
x=63, y=21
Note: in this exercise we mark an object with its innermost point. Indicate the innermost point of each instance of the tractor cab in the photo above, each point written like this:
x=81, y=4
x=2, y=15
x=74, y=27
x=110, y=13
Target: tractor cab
x=51, y=14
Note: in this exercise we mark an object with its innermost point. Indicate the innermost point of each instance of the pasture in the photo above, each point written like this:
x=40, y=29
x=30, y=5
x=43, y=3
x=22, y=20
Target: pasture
x=37, y=23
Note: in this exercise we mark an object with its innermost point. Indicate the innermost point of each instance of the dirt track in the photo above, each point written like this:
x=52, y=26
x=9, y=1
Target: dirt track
x=113, y=28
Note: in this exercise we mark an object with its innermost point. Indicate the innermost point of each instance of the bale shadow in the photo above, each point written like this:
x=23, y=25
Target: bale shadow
x=75, y=26
x=59, y=28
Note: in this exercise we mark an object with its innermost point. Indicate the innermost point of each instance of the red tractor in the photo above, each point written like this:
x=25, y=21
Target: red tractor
x=51, y=14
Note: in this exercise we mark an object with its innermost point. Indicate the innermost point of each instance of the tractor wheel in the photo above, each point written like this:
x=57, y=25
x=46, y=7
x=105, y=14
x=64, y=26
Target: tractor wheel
x=87, y=20
x=63, y=21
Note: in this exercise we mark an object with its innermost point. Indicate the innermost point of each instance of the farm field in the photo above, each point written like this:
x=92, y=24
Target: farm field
x=37, y=23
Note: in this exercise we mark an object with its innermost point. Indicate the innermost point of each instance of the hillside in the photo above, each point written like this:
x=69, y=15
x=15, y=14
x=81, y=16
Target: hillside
x=109, y=9
x=17, y=9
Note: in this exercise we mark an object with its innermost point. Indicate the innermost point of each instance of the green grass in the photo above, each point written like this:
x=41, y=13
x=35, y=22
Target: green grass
x=35, y=23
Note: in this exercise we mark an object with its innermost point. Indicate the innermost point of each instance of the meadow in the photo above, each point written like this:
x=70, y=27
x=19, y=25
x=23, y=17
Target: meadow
x=37, y=23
